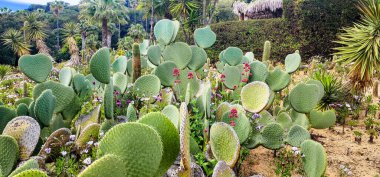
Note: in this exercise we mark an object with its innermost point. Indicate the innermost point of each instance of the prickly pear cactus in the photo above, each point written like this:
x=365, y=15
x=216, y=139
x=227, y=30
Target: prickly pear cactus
x=120, y=82
x=26, y=131
x=120, y=65
x=259, y=71
x=106, y=165
x=321, y=120
x=278, y=79
x=180, y=53
x=321, y=88
x=172, y=113
x=232, y=76
x=222, y=108
x=233, y=56
x=204, y=37
x=297, y=135
x=169, y=136
x=272, y=136
x=27, y=165
x=65, y=76
x=165, y=72
x=266, y=52
x=224, y=143
x=255, y=96
x=284, y=120
x=164, y=31
x=304, y=97
x=147, y=86
x=154, y=54
x=63, y=94
x=239, y=123
x=100, y=65
x=92, y=117
x=299, y=119
x=6, y=115
x=292, y=62
x=36, y=67
x=32, y=173
x=223, y=170
x=198, y=59
x=9, y=153
x=141, y=153
x=25, y=100
x=54, y=142
x=44, y=107
x=22, y=110
x=315, y=158
x=136, y=62
x=91, y=132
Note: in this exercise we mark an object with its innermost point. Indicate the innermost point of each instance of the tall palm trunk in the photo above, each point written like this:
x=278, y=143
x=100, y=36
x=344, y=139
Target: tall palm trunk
x=104, y=32
x=43, y=48
x=58, y=46
x=83, y=37
x=151, y=22
x=109, y=39
x=74, y=51
x=204, y=20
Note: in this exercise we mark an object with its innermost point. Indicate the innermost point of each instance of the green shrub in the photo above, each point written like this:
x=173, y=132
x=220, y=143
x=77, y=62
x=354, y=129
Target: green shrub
x=4, y=70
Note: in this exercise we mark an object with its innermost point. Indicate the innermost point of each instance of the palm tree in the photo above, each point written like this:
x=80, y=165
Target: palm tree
x=360, y=45
x=57, y=7
x=183, y=9
x=104, y=11
x=13, y=40
x=137, y=32
x=70, y=32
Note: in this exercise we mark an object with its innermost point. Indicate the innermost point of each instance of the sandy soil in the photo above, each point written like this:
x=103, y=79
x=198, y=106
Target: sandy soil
x=363, y=160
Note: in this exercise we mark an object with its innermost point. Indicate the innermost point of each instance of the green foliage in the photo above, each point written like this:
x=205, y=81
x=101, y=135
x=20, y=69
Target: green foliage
x=22, y=109
x=292, y=62
x=232, y=56
x=297, y=135
x=137, y=32
x=9, y=153
x=303, y=98
x=6, y=115
x=272, y=136
x=164, y=71
x=259, y=71
x=320, y=120
x=120, y=65
x=204, y=37
x=4, y=70
x=65, y=76
x=100, y=65
x=164, y=30
x=36, y=67
x=136, y=62
x=232, y=76
x=147, y=86
x=198, y=58
x=241, y=124
x=278, y=79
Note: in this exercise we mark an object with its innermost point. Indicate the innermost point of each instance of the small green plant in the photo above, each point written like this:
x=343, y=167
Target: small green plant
x=352, y=124
x=207, y=166
x=288, y=161
x=358, y=136
x=372, y=135
x=4, y=70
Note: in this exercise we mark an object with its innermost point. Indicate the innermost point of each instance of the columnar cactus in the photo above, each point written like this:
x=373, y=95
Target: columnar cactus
x=136, y=62
x=184, y=132
x=266, y=52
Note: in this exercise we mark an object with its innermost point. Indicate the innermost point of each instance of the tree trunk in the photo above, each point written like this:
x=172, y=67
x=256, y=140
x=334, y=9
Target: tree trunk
x=204, y=20
x=151, y=23
x=104, y=32
x=212, y=12
x=83, y=37
x=58, y=46
x=109, y=39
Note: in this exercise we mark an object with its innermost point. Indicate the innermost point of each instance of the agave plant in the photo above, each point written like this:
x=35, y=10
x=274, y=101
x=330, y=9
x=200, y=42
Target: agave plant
x=360, y=45
x=334, y=92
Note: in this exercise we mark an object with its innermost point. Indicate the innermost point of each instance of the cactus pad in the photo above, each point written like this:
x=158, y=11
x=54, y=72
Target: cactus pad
x=321, y=120
x=109, y=100
x=233, y=56
x=223, y=170
x=232, y=76
x=172, y=113
x=297, y=135
x=65, y=76
x=284, y=120
x=147, y=86
x=222, y=108
x=57, y=139
x=131, y=113
x=44, y=107
x=204, y=37
x=272, y=136
x=32, y=173
x=140, y=152
x=22, y=109
x=9, y=153
x=164, y=31
x=36, y=67
x=255, y=96
x=198, y=59
x=89, y=133
x=120, y=65
x=154, y=54
x=100, y=65
x=6, y=115
x=304, y=97
x=292, y=62
x=164, y=71
x=278, y=79
x=180, y=53
x=224, y=143
x=259, y=71
x=169, y=136
x=106, y=165
x=120, y=82
x=27, y=165
x=315, y=160
x=242, y=126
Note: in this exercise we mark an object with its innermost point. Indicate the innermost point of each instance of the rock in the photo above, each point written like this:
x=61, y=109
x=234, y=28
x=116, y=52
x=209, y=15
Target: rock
x=174, y=169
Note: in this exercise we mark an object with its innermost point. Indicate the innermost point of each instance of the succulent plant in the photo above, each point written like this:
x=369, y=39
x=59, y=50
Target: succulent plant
x=154, y=54
x=224, y=143
x=198, y=58
x=299, y=119
x=259, y=71
x=284, y=120
x=303, y=98
x=222, y=108
x=9, y=153
x=131, y=113
x=315, y=158
x=32, y=172
x=89, y=133
x=179, y=52
x=166, y=72
x=297, y=135
x=164, y=30
x=204, y=37
x=54, y=142
x=120, y=82
x=22, y=110
x=120, y=65
x=25, y=100
x=233, y=56
x=141, y=153
x=27, y=165
x=292, y=62
x=92, y=117
x=172, y=113
x=104, y=166
x=6, y=115
x=278, y=79
x=44, y=107
x=267, y=50
x=223, y=170
x=109, y=100
x=232, y=76
x=147, y=86
x=255, y=96
x=36, y=67
x=26, y=131
x=136, y=62
x=272, y=136
x=322, y=119
x=169, y=137
x=184, y=133
x=65, y=76
x=100, y=65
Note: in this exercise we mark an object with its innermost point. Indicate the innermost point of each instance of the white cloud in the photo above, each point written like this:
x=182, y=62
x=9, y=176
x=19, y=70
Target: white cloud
x=43, y=2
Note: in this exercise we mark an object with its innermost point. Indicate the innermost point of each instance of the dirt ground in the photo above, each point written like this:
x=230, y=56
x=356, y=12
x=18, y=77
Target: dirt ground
x=363, y=160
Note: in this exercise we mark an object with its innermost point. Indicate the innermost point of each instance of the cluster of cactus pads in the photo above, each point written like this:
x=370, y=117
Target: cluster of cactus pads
x=148, y=144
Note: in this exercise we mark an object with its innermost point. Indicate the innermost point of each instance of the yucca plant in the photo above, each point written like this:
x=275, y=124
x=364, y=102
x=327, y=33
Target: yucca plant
x=13, y=40
x=333, y=87
x=361, y=44
x=70, y=32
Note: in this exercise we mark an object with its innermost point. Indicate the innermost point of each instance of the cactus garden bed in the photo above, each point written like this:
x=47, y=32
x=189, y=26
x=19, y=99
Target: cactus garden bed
x=166, y=110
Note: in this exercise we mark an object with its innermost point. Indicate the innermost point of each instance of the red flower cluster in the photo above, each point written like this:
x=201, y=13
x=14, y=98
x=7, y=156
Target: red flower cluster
x=247, y=68
x=176, y=72
x=233, y=113
x=232, y=123
x=190, y=75
x=222, y=77
x=244, y=80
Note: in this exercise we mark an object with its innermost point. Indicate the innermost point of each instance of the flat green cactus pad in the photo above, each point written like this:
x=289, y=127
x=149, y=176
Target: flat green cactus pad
x=63, y=94
x=120, y=82
x=120, y=65
x=292, y=62
x=36, y=67
x=25, y=100
x=242, y=126
x=141, y=151
x=278, y=79
x=315, y=158
x=255, y=96
x=223, y=170
x=100, y=65
x=44, y=107
x=172, y=113
x=6, y=115
x=259, y=71
x=109, y=100
x=297, y=135
x=27, y=165
x=147, y=86
x=222, y=108
x=224, y=143
x=131, y=113
x=22, y=109
x=164, y=31
x=299, y=119
x=169, y=136
x=105, y=166
x=233, y=56
x=32, y=173
x=144, y=47
x=250, y=56
x=232, y=76
x=304, y=97
x=90, y=132
x=265, y=118
x=9, y=153
x=164, y=71
x=177, y=25
x=320, y=86
x=204, y=37
x=65, y=76
x=284, y=120
x=181, y=88
x=180, y=53
x=54, y=142
x=26, y=131
x=321, y=120
x=154, y=54
x=198, y=59
x=272, y=136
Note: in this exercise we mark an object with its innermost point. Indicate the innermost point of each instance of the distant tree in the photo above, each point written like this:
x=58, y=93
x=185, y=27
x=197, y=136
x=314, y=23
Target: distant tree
x=71, y=31
x=57, y=7
x=13, y=40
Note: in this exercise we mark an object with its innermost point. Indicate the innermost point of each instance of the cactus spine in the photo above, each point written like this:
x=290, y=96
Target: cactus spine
x=266, y=52
x=136, y=62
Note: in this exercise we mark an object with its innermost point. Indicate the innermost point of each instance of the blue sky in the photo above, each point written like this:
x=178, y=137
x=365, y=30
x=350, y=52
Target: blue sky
x=23, y=4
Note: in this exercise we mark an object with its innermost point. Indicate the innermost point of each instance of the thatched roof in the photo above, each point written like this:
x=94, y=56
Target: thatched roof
x=256, y=7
